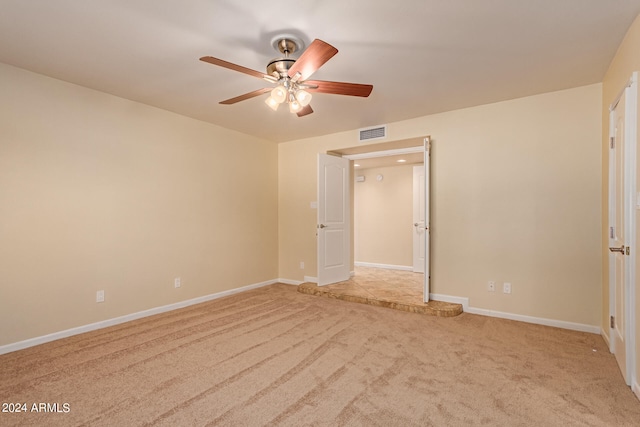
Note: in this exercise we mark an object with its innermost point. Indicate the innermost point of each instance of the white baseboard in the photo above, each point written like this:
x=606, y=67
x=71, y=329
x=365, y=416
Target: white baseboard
x=454, y=300
x=290, y=282
x=636, y=389
x=311, y=279
x=519, y=317
x=126, y=318
x=387, y=266
x=537, y=320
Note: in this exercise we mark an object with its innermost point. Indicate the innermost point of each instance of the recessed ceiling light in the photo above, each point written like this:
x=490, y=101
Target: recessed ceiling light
x=401, y=161
x=356, y=165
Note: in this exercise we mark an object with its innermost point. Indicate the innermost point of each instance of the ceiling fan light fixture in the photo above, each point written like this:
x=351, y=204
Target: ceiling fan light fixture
x=279, y=94
x=303, y=97
x=272, y=103
x=290, y=75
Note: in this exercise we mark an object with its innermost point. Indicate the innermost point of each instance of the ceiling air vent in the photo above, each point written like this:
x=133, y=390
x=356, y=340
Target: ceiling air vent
x=370, y=134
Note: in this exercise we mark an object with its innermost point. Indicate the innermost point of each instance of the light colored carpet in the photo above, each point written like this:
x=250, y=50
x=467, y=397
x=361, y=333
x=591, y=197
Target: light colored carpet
x=273, y=356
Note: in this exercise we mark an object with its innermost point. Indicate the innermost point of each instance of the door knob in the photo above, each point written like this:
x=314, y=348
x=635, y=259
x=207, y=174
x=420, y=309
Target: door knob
x=322, y=226
x=620, y=249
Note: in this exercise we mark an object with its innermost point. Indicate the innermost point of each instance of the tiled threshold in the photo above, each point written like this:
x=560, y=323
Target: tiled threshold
x=384, y=288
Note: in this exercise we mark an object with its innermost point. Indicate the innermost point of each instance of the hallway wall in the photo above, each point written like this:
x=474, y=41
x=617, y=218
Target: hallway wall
x=384, y=215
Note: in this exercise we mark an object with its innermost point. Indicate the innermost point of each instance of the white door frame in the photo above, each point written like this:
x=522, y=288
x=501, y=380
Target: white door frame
x=631, y=205
x=427, y=218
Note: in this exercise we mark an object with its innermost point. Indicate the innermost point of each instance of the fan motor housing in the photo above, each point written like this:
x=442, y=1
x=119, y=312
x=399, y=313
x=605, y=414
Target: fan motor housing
x=280, y=65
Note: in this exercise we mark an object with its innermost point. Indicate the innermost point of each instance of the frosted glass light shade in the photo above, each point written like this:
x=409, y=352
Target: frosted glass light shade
x=272, y=103
x=279, y=94
x=303, y=97
x=294, y=106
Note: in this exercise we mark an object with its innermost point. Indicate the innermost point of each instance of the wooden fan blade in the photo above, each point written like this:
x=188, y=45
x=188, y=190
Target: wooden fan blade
x=312, y=58
x=306, y=110
x=246, y=96
x=339, y=88
x=234, y=67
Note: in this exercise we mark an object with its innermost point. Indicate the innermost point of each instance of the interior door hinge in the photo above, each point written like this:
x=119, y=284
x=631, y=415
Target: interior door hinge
x=613, y=322
x=612, y=141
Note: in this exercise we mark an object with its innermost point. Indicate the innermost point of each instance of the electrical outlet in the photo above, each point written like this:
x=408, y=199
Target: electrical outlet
x=491, y=286
x=100, y=296
x=177, y=282
x=506, y=287
x=301, y=265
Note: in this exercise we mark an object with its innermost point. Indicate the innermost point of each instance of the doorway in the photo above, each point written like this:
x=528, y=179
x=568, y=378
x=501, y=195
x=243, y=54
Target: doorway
x=382, y=162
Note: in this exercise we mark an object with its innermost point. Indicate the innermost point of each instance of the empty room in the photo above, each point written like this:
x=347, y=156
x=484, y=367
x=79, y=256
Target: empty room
x=184, y=238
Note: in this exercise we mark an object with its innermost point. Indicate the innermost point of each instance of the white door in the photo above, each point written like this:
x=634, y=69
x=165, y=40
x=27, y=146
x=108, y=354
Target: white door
x=333, y=219
x=622, y=190
x=427, y=218
x=616, y=235
x=419, y=231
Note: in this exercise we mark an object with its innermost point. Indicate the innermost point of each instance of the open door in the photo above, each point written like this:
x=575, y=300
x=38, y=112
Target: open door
x=334, y=220
x=427, y=218
x=622, y=227
x=617, y=237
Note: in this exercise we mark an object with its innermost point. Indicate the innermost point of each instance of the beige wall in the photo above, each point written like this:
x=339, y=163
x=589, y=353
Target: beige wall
x=625, y=62
x=384, y=216
x=97, y=192
x=516, y=196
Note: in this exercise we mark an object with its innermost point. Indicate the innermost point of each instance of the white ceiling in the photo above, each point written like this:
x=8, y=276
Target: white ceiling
x=388, y=161
x=422, y=56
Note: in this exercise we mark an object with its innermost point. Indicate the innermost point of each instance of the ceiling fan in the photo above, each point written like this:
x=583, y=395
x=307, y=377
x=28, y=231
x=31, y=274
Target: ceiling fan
x=290, y=76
